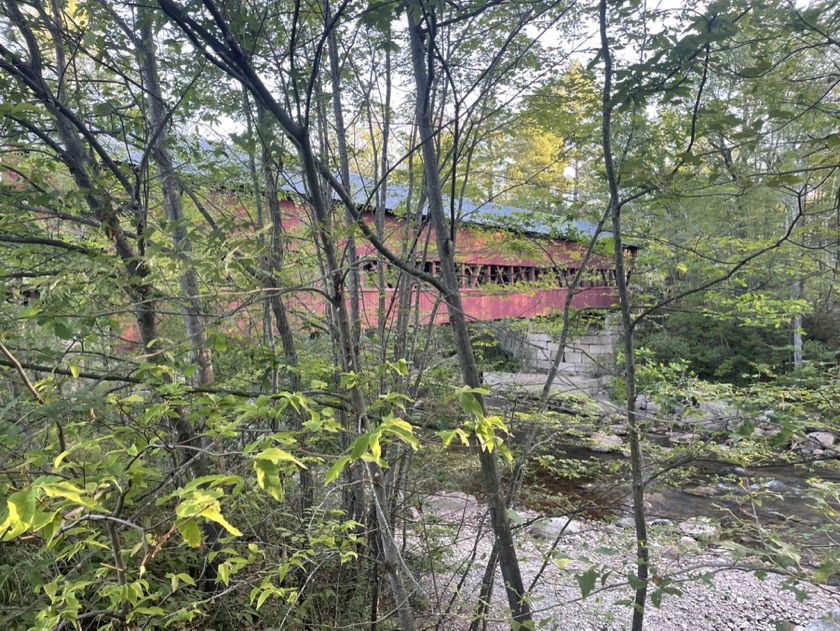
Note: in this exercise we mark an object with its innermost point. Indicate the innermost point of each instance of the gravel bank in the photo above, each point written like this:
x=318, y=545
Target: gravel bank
x=715, y=594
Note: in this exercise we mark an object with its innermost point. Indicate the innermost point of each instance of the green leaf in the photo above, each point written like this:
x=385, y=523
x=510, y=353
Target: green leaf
x=224, y=573
x=336, y=469
x=62, y=331
x=375, y=447
x=21, y=507
x=656, y=598
x=401, y=429
x=268, y=478
x=278, y=455
x=470, y=404
x=190, y=532
x=265, y=595
x=74, y=370
x=70, y=492
x=587, y=581
x=205, y=505
x=360, y=446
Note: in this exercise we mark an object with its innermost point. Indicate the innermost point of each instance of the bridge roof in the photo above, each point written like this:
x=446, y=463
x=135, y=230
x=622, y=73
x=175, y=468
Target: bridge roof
x=489, y=214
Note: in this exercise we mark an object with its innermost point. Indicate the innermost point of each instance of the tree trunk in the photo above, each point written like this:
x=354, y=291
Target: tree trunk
x=463, y=345
x=191, y=308
x=392, y=563
x=344, y=162
x=638, y=483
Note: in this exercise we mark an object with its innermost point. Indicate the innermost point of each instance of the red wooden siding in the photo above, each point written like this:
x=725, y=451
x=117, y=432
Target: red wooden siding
x=503, y=275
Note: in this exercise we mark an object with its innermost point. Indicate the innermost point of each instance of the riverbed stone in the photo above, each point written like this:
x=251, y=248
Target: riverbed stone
x=701, y=491
x=716, y=409
x=688, y=542
x=626, y=522
x=826, y=439
x=684, y=439
x=605, y=442
x=701, y=527
x=554, y=527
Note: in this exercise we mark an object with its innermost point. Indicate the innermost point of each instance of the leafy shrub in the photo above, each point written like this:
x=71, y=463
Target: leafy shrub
x=490, y=355
x=717, y=349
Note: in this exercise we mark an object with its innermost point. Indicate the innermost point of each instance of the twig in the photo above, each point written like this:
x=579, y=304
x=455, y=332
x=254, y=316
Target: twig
x=22, y=373
x=59, y=430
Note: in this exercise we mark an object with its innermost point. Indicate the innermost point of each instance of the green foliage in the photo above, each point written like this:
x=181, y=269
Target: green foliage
x=717, y=348
x=490, y=355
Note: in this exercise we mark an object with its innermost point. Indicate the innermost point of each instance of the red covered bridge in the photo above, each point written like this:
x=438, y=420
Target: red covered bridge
x=508, y=262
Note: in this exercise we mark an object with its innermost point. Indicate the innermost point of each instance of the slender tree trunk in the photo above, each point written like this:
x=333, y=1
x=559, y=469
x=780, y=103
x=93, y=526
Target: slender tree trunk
x=463, y=345
x=392, y=563
x=190, y=301
x=793, y=212
x=381, y=209
x=797, y=326
x=278, y=307
x=344, y=163
x=638, y=483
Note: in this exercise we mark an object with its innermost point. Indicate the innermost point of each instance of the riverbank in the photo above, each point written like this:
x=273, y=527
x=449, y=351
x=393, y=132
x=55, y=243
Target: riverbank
x=701, y=584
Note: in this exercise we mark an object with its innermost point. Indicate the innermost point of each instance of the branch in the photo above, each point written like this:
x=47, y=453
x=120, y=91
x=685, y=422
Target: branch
x=724, y=277
x=17, y=366
x=55, y=243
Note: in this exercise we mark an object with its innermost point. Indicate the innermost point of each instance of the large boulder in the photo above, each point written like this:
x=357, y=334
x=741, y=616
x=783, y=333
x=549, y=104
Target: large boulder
x=716, y=409
x=606, y=442
x=699, y=527
x=554, y=527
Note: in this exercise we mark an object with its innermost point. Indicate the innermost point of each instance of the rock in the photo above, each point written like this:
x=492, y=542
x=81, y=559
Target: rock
x=450, y=506
x=670, y=552
x=554, y=527
x=641, y=402
x=661, y=521
x=684, y=439
x=829, y=622
x=619, y=429
x=701, y=491
x=716, y=409
x=701, y=527
x=656, y=498
x=626, y=522
x=826, y=439
x=776, y=486
x=605, y=442
x=688, y=542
